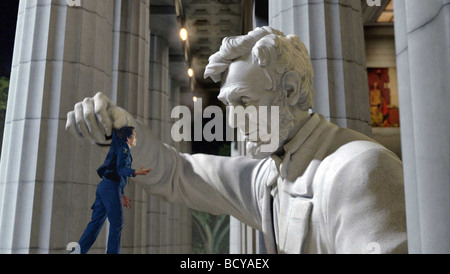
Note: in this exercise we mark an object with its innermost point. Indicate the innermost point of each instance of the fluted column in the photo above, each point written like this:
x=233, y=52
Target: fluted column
x=163, y=96
x=143, y=88
x=237, y=236
x=130, y=89
x=174, y=101
x=185, y=146
x=179, y=235
x=332, y=30
x=243, y=238
x=422, y=37
x=183, y=233
x=47, y=178
x=157, y=116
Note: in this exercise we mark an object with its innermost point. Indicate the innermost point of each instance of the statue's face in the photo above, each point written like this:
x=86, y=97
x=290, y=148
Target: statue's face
x=246, y=84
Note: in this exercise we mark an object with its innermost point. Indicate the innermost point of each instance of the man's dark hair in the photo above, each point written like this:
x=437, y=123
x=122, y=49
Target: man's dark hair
x=125, y=133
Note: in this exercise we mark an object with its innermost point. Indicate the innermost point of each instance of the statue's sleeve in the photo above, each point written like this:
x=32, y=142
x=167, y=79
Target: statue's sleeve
x=365, y=204
x=218, y=185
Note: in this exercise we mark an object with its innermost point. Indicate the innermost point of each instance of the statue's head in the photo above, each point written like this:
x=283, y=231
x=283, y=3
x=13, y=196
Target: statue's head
x=264, y=68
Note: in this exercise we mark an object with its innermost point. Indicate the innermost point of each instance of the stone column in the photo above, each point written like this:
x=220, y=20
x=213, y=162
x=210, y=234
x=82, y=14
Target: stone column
x=235, y=236
x=173, y=213
x=243, y=238
x=174, y=100
x=130, y=89
x=184, y=232
x=144, y=84
x=157, y=119
x=179, y=234
x=165, y=219
x=247, y=7
x=47, y=178
x=422, y=41
x=332, y=30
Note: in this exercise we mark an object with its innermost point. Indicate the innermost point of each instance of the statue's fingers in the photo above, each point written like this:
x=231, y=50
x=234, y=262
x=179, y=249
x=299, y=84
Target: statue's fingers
x=81, y=124
x=99, y=96
x=101, y=105
x=91, y=121
x=71, y=125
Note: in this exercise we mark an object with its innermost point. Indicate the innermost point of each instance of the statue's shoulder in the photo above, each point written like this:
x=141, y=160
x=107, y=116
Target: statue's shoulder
x=360, y=170
x=360, y=157
x=356, y=151
x=360, y=146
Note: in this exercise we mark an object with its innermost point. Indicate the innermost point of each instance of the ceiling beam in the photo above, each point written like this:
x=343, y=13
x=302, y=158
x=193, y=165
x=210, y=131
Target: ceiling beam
x=371, y=14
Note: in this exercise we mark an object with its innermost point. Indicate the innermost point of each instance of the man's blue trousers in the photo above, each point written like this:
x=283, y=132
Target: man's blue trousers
x=108, y=203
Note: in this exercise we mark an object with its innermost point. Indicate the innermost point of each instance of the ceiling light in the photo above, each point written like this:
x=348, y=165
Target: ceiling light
x=194, y=99
x=190, y=72
x=183, y=34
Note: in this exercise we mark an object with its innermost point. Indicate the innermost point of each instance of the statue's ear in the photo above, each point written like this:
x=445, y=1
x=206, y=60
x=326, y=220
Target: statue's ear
x=292, y=85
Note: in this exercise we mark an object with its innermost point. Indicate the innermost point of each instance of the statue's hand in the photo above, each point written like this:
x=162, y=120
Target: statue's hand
x=94, y=119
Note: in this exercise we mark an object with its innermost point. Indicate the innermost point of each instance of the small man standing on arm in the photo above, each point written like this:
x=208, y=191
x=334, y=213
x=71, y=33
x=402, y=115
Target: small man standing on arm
x=110, y=198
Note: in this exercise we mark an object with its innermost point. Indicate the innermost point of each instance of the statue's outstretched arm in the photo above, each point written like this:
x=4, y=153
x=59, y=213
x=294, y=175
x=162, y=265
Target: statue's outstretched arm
x=219, y=185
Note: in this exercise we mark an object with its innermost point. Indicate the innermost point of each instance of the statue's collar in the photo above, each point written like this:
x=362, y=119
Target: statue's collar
x=293, y=145
x=303, y=134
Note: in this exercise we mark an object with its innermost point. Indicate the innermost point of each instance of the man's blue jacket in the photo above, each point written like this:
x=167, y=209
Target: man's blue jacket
x=117, y=165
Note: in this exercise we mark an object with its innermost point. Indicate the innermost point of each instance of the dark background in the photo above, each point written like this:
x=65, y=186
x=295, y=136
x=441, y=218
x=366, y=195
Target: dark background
x=8, y=18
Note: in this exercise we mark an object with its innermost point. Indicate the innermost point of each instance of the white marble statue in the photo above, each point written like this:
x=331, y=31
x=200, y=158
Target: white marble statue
x=325, y=190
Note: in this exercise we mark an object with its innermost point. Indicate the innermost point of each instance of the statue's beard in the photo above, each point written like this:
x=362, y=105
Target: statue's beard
x=286, y=125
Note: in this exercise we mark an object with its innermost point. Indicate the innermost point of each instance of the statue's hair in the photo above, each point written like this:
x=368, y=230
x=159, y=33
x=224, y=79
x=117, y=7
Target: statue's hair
x=272, y=50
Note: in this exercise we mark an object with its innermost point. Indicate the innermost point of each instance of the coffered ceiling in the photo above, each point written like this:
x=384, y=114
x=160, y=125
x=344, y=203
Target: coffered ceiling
x=377, y=15
x=208, y=22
